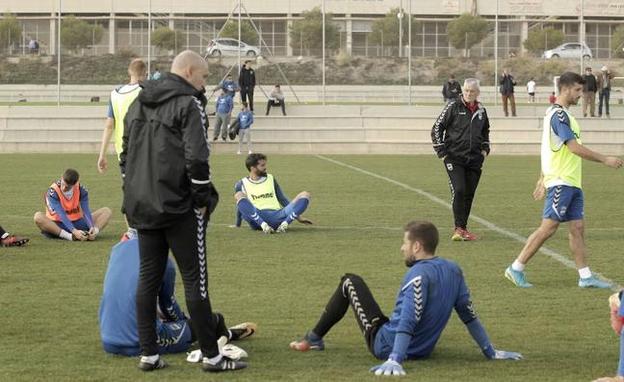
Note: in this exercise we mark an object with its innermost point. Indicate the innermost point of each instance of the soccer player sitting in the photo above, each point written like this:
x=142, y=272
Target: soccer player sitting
x=117, y=316
x=68, y=215
x=261, y=202
x=617, y=321
x=430, y=290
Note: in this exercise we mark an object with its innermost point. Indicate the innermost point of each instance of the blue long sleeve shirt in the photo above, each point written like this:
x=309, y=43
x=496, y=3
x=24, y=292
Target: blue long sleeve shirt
x=245, y=119
x=55, y=204
x=224, y=104
x=429, y=292
x=281, y=197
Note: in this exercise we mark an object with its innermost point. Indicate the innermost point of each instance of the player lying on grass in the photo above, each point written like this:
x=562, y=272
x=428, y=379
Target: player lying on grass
x=430, y=290
x=117, y=316
x=261, y=202
x=8, y=240
x=68, y=215
x=617, y=321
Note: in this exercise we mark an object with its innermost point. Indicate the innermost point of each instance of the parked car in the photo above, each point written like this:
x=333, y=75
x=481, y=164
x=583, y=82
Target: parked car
x=231, y=47
x=569, y=50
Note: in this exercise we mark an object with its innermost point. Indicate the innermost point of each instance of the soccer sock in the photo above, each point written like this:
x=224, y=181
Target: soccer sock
x=66, y=235
x=334, y=311
x=517, y=266
x=214, y=360
x=249, y=211
x=584, y=273
x=300, y=206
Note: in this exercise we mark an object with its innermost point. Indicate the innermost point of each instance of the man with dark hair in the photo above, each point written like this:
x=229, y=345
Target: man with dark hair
x=461, y=138
x=507, y=83
x=68, y=215
x=228, y=86
x=451, y=90
x=276, y=98
x=430, y=290
x=247, y=82
x=604, y=90
x=169, y=196
x=560, y=180
x=9, y=240
x=261, y=202
x=589, y=92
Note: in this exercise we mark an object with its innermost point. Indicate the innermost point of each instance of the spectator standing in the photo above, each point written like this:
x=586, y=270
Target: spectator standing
x=245, y=120
x=451, y=89
x=276, y=98
x=224, y=107
x=589, y=92
x=228, y=86
x=604, y=90
x=552, y=98
x=531, y=90
x=507, y=84
x=156, y=75
x=247, y=82
x=33, y=46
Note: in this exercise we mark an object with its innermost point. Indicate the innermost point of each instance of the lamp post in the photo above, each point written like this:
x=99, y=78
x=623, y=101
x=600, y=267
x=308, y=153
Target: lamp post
x=400, y=17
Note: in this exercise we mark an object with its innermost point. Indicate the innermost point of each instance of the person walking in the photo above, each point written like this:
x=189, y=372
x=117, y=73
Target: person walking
x=531, y=86
x=507, y=84
x=461, y=137
x=169, y=196
x=589, y=92
x=451, y=89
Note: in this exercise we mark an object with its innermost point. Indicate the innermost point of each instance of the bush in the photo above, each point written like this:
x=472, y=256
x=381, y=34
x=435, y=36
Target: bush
x=466, y=31
x=540, y=40
x=167, y=39
x=77, y=34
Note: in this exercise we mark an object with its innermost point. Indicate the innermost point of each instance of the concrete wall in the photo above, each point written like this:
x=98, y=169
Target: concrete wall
x=345, y=130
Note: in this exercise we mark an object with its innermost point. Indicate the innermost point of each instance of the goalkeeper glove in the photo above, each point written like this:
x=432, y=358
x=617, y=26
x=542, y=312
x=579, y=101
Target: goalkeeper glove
x=390, y=367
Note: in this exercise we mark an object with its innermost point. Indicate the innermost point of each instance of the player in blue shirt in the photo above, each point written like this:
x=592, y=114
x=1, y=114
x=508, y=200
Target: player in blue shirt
x=223, y=106
x=430, y=290
x=245, y=119
x=228, y=86
x=117, y=315
x=68, y=215
x=261, y=202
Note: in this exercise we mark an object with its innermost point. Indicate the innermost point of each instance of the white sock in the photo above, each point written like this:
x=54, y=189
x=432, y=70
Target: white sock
x=6, y=234
x=150, y=358
x=517, y=266
x=584, y=272
x=66, y=235
x=96, y=230
x=213, y=360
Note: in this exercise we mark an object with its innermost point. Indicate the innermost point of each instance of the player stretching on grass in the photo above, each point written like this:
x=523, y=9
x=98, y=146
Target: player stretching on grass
x=430, y=290
x=261, y=202
x=562, y=157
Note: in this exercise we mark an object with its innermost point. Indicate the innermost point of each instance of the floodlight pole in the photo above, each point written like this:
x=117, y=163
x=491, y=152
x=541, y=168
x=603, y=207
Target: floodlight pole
x=58, y=57
x=240, y=68
x=582, y=35
x=496, y=55
x=323, y=47
x=400, y=16
x=149, y=36
x=409, y=55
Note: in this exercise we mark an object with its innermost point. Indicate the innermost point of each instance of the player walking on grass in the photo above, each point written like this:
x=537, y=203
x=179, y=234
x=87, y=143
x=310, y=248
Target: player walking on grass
x=261, y=202
x=430, y=290
x=120, y=100
x=169, y=196
x=461, y=137
x=560, y=179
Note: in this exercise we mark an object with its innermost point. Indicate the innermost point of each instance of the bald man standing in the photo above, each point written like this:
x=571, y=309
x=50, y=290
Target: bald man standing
x=168, y=196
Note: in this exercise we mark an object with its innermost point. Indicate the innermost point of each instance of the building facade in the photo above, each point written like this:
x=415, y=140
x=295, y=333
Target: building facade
x=126, y=23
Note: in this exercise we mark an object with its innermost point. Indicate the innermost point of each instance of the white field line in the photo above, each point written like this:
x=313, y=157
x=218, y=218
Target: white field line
x=486, y=223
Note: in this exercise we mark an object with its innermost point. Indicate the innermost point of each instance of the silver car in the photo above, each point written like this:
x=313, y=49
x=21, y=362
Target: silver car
x=569, y=50
x=231, y=47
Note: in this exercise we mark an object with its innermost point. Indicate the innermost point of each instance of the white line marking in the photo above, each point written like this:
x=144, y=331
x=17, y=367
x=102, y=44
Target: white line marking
x=521, y=239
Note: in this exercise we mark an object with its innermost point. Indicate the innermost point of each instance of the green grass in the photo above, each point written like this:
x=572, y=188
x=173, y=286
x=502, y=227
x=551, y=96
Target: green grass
x=50, y=290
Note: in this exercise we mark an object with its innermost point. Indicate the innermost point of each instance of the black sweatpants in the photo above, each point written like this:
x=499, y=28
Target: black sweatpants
x=2, y=232
x=353, y=291
x=463, y=182
x=247, y=92
x=186, y=238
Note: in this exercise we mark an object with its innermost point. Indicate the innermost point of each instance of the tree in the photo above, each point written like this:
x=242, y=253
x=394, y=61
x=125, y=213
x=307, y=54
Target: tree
x=248, y=32
x=540, y=40
x=307, y=32
x=385, y=31
x=10, y=31
x=168, y=39
x=77, y=34
x=466, y=31
x=617, y=42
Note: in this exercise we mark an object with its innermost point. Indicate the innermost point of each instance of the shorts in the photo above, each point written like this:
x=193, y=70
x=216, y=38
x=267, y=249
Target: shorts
x=563, y=203
x=173, y=337
x=80, y=224
x=532, y=94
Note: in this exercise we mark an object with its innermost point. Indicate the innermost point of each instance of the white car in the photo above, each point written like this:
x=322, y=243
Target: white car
x=569, y=50
x=231, y=47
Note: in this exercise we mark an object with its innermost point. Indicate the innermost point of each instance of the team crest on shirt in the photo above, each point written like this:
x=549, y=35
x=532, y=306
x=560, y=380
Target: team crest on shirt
x=449, y=166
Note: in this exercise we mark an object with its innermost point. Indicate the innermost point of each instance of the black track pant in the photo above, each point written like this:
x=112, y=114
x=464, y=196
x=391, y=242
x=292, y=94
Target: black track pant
x=247, y=92
x=463, y=181
x=186, y=238
x=2, y=231
x=353, y=291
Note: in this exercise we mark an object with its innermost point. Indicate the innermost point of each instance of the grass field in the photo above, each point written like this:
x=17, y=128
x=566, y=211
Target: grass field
x=50, y=290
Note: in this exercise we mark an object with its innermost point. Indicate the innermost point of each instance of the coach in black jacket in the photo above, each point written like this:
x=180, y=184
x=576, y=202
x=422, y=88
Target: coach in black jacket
x=247, y=82
x=168, y=197
x=461, y=136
